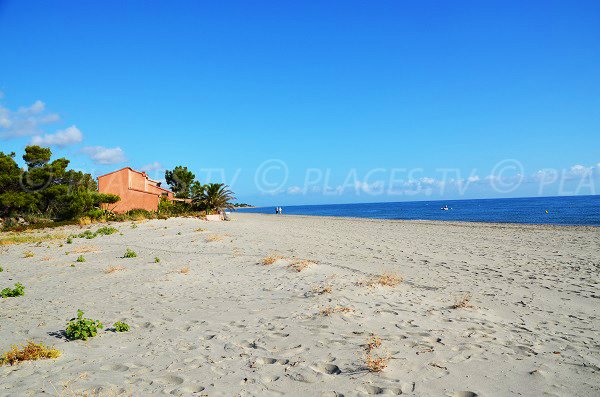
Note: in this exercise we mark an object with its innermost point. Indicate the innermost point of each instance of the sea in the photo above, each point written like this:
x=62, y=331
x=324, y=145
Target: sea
x=570, y=210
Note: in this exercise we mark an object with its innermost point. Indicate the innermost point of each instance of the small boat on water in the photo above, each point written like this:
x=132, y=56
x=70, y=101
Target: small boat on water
x=445, y=208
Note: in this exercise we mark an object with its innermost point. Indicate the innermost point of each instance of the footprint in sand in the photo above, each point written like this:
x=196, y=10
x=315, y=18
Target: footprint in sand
x=329, y=369
x=169, y=380
x=187, y=390
x=464, y=394
x=372, y=390
x=115, y=367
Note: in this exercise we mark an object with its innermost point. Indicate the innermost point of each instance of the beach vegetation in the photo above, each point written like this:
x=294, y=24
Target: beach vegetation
x=156, y=259
x=45, y=190
x=29, y=238
x=323, y=289
x=29, y=352
x=129, y=253
x=384, y=280
x=82, y=328
x=112, y=269
x=180, y=180
x=80, y=258
x=121, y=327
x=183, y=270
x=463, y=302
x=330, y=310
x=27, y=254
x=213, y=237
x=8, y=292
x=375, y=362
x=299, y=265
x=269, y=260
x=213, y=197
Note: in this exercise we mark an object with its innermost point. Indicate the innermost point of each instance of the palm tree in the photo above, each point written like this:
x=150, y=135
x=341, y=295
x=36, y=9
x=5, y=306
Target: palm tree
x=214, y=196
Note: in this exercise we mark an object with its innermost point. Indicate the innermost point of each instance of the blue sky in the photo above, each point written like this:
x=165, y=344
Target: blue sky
x=352, y=89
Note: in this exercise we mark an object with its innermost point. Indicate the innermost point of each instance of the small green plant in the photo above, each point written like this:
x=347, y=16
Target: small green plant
x=1, y=269
x=82, y=328
x=27, y=254
x=72, y=265
x=7, y=292
x=129, y=254
x=87, y=234
x=179, y=233
x=156, y=260
x=106, y=231
x=133, y=225
x=121, y=326
x=80, y=258
x=69, y=240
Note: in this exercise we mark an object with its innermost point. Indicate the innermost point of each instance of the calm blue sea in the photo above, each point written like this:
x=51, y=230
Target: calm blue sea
x=576, y=210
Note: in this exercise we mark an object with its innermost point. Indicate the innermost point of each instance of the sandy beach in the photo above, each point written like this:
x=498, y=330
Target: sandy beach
x=210, y=318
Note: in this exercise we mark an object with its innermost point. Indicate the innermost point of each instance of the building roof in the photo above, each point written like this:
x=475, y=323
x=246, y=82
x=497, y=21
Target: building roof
x=137, y=172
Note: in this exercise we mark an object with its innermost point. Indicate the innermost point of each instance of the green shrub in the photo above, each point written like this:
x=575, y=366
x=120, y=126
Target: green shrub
x=80, y=259
x=96, y=213
x=121, y=327
x=69, y=240
x=156, y=260
x=133, y=225
x=129, y=254
x=1, y=269
x=82, y=328
x=87, y=234
x=106, y=230
x=7, y=292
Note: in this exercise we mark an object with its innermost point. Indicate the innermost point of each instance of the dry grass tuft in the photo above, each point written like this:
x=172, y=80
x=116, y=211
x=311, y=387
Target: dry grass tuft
x=373, y=343
x=84, y=249
x=213, y=237
x=301, y=264
x=183, y=270
x=112, y=269
x=269, y=260
x=24, y=238
x=329, y=310
x=322, y=289
x=463, y=302
x=384, y=280
x=375, y=362
x=84, y=221
x=31, y=351
x=27, y=254
x=200, y=230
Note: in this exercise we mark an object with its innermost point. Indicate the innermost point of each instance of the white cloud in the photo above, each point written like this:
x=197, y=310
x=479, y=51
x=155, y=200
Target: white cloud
x=294, y=190
x=62, y=138
x=25, y=121
x=155, y=166
x=103, y=155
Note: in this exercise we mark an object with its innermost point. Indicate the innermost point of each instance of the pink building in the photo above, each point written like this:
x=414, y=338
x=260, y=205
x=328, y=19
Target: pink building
x=136, y=190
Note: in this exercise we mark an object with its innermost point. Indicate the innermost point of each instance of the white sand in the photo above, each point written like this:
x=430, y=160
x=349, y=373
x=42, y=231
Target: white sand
x=232, y=326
